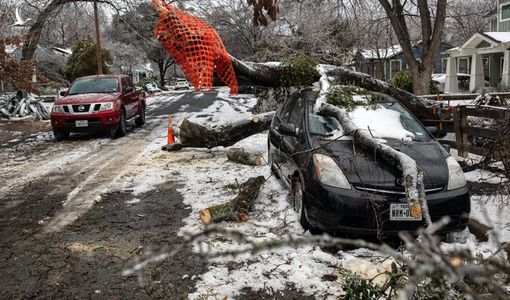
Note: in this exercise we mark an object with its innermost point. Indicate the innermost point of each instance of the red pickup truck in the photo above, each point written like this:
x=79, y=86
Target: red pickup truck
x=100, y=102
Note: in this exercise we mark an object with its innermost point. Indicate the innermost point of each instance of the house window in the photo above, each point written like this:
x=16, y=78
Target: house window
x=463, y=66
x=444, y=63
x=505, y=12
x=395, y=67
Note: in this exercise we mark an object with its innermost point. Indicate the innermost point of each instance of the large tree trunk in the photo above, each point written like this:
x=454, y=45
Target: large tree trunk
x=261, y=74
x=431, y=34
x=238, y=208
x=196, y=135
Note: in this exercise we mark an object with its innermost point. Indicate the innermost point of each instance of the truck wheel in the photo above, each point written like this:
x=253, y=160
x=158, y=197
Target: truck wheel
x=140, y=120
x=60, y=134
x=121, y=128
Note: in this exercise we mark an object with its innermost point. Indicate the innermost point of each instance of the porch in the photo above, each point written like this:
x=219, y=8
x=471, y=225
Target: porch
x=484, y=56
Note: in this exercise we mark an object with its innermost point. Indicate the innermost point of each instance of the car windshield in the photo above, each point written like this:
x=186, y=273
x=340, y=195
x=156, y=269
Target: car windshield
x=94, y=85
x=385, y=120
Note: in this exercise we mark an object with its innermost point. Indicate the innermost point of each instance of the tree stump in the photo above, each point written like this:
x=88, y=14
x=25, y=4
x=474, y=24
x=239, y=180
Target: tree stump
x=236, y=209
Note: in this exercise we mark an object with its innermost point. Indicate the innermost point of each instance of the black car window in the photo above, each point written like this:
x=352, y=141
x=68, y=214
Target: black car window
x=321, y=125
x=283, y=111
x=296, y=115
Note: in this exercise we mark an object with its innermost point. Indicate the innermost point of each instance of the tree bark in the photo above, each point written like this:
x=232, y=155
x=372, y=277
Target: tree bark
x=239, y=155
x=195, y=135
x=236, y=209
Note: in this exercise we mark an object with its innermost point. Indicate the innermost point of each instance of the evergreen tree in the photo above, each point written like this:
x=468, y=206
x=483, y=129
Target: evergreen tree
x=83, y=61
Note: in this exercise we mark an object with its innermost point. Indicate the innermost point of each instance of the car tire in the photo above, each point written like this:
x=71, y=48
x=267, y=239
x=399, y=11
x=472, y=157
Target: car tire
x=61, y=134
x=121, y=129
x=270, y=158
x=297, y=202
x=140, y=120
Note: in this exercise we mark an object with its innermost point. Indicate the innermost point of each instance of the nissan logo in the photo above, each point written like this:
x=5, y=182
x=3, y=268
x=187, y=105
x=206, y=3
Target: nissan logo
x=81, y=108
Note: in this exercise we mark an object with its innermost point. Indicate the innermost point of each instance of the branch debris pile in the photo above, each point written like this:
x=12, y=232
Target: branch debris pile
x=20, y=108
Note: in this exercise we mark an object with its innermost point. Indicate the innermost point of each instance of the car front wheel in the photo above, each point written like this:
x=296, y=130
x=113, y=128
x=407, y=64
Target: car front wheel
x=121, y=129
x=297, y=197
x=60, y=134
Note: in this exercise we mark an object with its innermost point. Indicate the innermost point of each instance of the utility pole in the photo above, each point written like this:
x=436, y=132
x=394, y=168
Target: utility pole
x=98, y=41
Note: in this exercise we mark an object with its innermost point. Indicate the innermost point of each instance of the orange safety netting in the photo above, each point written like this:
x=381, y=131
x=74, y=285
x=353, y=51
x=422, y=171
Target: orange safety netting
x=195, y=46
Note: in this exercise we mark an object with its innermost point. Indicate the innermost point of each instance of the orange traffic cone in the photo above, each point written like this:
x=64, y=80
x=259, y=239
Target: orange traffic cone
x=170, y=137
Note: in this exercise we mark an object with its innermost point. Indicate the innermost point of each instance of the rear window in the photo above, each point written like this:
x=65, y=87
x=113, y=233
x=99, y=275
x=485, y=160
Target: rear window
x=94, y=85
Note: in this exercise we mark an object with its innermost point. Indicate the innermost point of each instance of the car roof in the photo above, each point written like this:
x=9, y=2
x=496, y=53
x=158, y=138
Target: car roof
x=118, y=76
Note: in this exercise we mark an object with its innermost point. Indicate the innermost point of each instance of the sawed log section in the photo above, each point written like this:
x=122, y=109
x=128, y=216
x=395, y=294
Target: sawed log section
x=236, y=209
x=240, y=155
x=198, y=136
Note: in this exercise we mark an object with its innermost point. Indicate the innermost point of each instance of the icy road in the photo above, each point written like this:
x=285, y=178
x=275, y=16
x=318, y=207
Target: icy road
x=75, y=214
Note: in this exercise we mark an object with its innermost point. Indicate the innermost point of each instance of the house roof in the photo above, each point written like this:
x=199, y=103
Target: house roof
x=499, y=37
x=380, y=53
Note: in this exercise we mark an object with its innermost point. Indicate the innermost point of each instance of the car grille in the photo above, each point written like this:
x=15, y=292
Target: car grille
x=394, y=191
x=84, y=108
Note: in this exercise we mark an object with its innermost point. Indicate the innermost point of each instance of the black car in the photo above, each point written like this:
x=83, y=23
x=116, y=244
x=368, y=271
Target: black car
x=339, y=187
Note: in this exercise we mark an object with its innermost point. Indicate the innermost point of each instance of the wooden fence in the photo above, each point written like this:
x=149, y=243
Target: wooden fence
x=456, y=120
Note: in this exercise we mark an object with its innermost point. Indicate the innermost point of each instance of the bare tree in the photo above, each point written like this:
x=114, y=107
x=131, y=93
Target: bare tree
x=465, y=18
x=45, y=11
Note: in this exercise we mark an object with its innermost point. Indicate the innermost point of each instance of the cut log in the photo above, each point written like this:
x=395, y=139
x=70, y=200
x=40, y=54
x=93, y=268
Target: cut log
x=239, y=155
x=236, y=209
x=195, y=135
x=479, y=230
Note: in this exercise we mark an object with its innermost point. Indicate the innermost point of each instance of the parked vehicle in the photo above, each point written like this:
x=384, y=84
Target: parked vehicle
x=181, y=84
x=462, y=80
x=338, y=187
x=102, y=102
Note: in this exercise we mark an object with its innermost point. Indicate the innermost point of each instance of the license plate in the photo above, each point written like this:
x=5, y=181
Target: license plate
x=400, y=212
x=82, y=123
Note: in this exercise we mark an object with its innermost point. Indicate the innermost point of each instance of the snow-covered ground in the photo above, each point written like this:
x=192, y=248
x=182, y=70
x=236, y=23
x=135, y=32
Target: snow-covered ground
x=206, y=178
x=206, y=174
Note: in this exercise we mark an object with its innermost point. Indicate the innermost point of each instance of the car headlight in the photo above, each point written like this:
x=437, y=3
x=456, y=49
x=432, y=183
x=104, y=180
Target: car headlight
x=58, y=108
x=328, y=172
x=106, y=106
x=456, y=178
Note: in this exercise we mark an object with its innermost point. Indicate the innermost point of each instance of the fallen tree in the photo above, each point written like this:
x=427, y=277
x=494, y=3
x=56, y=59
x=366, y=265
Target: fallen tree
x=236, y=209
x=285, y=74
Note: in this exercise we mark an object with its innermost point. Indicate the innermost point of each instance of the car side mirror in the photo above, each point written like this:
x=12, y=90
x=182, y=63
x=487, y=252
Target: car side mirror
x=288, y=129
x=433, y=130
x=63, y=93
x=129, y=89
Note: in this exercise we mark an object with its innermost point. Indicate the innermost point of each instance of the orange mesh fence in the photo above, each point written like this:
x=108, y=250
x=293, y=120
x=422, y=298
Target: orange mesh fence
x=195, y=46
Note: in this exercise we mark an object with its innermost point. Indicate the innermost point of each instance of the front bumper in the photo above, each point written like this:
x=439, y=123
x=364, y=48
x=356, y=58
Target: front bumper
x=95, y=121
x=358, y=212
